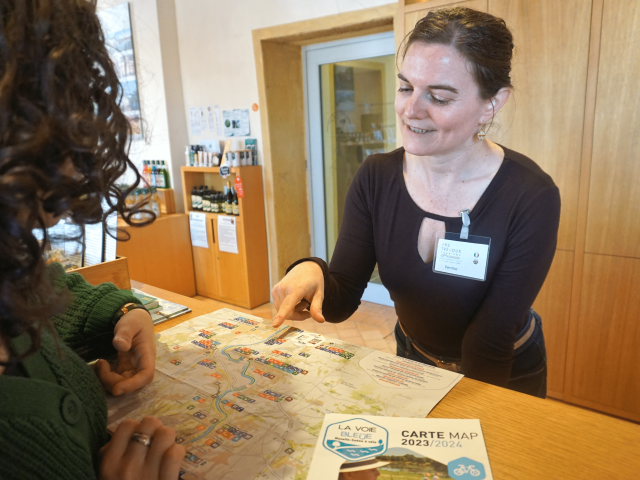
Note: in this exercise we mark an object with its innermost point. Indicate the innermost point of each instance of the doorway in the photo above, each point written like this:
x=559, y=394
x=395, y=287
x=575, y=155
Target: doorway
x=349, y=95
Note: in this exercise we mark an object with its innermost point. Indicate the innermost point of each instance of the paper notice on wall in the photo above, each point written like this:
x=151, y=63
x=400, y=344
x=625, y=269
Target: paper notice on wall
x=236, y=122
x=216, y=111
x=227, y=237
x=198, y=228
x=203, y=120
x=194, y=120
x=210, y=117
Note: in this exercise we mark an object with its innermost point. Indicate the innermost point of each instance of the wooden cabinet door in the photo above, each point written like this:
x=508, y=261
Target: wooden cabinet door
x=544, y=117
x=205, y=264
x=233, y=284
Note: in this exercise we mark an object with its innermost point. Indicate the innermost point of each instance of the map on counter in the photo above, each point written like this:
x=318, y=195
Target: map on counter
x=248, y=401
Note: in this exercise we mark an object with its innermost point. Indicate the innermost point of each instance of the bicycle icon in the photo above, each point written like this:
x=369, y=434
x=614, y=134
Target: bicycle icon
x=462, y=469
x=465, y=468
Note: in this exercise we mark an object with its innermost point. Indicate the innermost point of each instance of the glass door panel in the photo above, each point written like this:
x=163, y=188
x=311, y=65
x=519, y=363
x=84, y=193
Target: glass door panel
x=350, y=94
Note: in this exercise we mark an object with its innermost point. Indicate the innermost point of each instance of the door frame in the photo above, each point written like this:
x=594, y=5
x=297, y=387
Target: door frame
x=278, y=57
x=313, y=56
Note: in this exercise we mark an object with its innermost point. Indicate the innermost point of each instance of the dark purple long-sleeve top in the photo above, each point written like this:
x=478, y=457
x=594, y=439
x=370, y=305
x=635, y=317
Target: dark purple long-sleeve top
x=449, y=316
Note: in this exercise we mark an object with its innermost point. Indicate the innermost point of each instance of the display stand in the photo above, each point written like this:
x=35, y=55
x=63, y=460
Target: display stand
x=238, y=278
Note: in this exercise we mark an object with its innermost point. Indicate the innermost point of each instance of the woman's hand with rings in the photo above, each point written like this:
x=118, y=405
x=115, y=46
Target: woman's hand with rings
x=299, y=294
x=141, y=451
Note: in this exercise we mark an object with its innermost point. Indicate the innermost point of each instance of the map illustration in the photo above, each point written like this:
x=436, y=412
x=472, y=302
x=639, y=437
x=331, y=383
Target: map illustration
x=248, y=401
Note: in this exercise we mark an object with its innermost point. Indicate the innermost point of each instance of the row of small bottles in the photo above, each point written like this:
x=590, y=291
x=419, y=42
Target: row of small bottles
x=156, y=173
x=211, y=201
x=140, y=194
x=197, y=156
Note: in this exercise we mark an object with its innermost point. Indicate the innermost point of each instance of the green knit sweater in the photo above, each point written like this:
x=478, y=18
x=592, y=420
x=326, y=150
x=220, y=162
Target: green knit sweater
x=53, y=420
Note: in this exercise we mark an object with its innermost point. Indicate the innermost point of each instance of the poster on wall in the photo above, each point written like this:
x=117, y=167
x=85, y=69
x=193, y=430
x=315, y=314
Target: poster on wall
x=116, y=24
x=236, y=122
x=194, y=121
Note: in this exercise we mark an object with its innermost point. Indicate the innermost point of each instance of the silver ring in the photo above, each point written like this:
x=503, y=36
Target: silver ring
x=141, y=438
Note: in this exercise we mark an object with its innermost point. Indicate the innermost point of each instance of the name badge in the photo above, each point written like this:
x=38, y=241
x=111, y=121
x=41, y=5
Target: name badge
x=462, y=258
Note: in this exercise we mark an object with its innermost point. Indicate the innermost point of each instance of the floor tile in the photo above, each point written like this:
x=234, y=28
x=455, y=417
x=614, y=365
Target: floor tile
x=372, y=335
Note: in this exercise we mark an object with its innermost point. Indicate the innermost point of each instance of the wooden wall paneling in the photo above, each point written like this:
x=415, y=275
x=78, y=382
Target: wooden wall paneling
x=544, y=117
x=613, y=227
x=252, y=216
x=583, y=200
x=608, y=335
x=160, y=254
x=285, y=101
x=553, y=304
x=427, y=5
x=419, y=10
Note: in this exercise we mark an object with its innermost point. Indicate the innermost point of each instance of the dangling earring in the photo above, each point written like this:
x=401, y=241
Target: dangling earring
x=482, y=134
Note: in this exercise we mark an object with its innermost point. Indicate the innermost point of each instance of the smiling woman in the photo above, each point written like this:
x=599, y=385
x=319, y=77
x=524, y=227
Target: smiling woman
x=463, y=230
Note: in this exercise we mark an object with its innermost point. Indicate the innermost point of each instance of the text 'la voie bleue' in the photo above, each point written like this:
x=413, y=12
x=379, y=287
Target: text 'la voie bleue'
x=415, y=434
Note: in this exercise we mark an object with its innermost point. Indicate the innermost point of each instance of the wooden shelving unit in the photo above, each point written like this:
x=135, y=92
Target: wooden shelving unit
x=243, y=278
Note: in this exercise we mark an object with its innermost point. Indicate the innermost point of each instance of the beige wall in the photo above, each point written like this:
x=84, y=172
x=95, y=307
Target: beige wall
x=216, y=48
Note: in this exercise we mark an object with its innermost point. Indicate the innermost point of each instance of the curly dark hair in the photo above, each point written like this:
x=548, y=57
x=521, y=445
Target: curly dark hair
x=59, y=97
x=483, y=39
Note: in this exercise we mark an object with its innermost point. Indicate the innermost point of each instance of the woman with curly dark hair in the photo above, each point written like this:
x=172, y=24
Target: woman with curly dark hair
x=63, y=146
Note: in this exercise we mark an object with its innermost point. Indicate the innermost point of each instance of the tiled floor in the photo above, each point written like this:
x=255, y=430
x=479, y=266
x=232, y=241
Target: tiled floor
x=370, y=326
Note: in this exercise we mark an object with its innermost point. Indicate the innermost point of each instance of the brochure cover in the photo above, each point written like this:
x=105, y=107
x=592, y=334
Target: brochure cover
x=360, y=447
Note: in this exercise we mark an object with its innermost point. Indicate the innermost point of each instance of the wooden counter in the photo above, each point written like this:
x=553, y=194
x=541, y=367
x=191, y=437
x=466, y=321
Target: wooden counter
x=526, y=437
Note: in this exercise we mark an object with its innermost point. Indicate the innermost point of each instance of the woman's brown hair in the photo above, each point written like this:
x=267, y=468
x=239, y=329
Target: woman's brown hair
x=59, y=97
x=482, y=39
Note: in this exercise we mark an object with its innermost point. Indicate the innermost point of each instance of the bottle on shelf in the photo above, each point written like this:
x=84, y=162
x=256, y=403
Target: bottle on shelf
x=236, y=206
x=215, y=203
x=165, y=173
x=145, y=171
x=155, y=202
x=159, y=175
x=206, y=199
x=153, y=174
x=187, y=157
x=194, y=198
x=229, y=201
x=192, y=156
x=137, y=196
x=199, y=197
x=215, y=208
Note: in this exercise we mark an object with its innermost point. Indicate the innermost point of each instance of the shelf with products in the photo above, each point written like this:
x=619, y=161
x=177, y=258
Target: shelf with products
x=243, y=278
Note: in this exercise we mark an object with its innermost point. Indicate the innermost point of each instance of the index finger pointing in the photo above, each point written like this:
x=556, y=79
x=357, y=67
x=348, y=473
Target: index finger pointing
x=287, y=307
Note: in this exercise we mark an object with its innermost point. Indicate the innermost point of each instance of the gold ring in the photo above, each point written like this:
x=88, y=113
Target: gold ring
x=141, y=438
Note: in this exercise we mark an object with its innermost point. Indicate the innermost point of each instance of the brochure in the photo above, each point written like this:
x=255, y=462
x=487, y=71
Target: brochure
x=364, y=446
x=165, y=310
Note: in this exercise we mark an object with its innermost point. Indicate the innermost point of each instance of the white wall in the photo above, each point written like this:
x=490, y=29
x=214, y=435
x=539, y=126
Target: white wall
x=216, y=48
